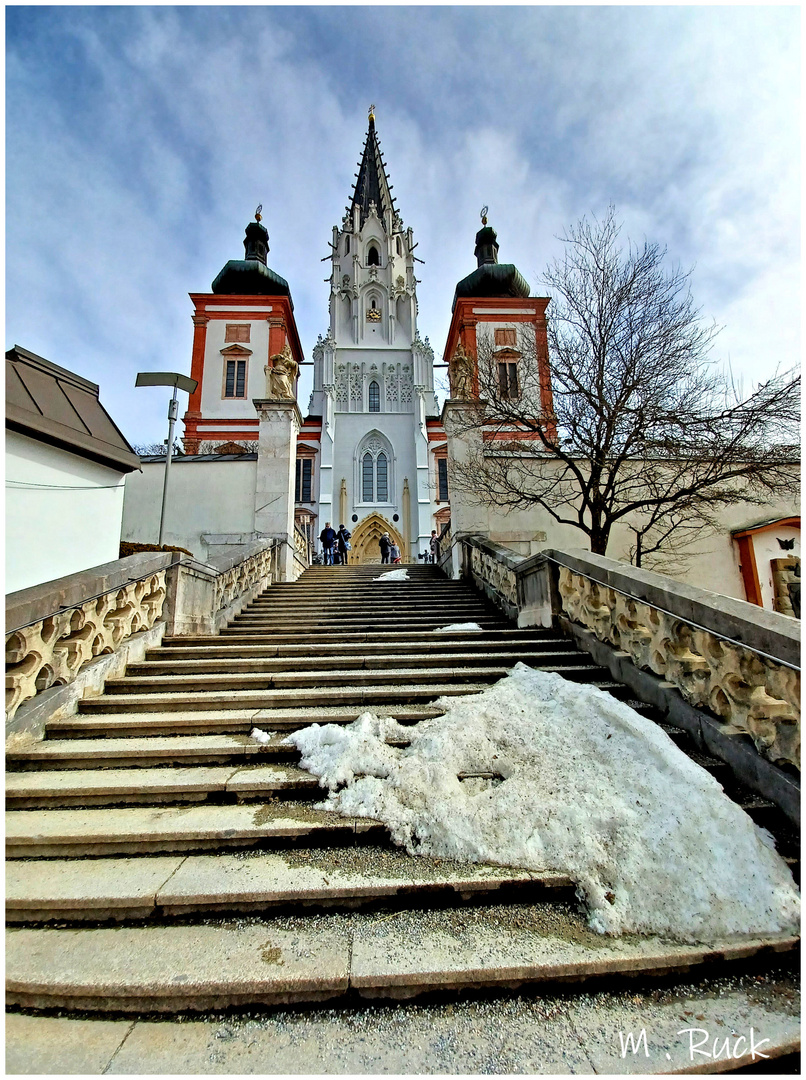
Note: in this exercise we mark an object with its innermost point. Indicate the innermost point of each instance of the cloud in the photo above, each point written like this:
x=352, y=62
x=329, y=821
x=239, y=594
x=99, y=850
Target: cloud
x=138, y=152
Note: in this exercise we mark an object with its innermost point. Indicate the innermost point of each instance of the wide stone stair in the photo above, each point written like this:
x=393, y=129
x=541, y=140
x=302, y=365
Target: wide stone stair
x=163, y=861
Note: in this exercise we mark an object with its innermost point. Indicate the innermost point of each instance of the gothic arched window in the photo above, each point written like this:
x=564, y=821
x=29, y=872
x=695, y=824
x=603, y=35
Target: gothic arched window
x=399, y=246
x=374, y=397
x=368, y=478
x=373, y=256
x=374, y=469
x=347, y=245
x=381, y=479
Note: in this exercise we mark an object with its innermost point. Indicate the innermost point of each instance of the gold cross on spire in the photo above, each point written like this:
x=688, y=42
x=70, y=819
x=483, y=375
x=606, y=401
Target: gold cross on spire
x=372, y=113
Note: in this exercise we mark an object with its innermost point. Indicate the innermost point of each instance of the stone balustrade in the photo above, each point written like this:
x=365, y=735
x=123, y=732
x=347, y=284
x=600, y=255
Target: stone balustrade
x=302, y=548
x=53, y=630
x=738, y=661
x=705, y=657
x=69, y=635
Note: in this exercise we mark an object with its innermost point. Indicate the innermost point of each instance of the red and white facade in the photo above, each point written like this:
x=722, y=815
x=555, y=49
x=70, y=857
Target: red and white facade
x=234, y=338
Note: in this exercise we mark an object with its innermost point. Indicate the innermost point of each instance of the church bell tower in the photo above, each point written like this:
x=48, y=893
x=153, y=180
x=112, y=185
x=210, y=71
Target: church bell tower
x=373, y=375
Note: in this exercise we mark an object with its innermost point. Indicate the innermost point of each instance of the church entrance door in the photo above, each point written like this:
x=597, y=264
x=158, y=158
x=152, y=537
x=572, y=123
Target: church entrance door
x=366, y=536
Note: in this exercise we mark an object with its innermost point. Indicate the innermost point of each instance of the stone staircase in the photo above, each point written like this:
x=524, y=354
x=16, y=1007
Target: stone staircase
x=161, y=861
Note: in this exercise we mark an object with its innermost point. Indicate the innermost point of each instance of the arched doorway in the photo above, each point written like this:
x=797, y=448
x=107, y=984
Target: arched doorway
x=365, y=540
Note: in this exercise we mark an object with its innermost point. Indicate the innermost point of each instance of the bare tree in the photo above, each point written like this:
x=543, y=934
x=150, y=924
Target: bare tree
x=647, y=430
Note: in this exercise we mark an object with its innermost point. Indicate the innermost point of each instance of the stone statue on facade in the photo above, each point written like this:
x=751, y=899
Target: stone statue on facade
x=282, y=375
x=460, y=374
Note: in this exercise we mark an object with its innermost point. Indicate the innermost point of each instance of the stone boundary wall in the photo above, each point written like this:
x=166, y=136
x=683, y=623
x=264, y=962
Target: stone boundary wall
x=735, y=660
x=65, y=637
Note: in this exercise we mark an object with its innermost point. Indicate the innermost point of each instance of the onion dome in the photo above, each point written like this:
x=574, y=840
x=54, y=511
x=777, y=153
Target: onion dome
x=492, y=278
x=251, y=276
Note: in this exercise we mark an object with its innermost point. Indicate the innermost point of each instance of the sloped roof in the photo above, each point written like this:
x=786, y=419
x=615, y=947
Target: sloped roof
x=56, y=406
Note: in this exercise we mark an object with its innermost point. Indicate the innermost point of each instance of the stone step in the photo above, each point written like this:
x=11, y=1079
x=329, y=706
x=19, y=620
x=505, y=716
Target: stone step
x=352, y=662
x=99, y=721
x=149, y=786
x=146, y=830
x=178, y=885
x=323, y=679
x=322, y=625
x=234, y=639
x=175, y=968
x=271, y=699
x=432, y=644
x=552, y=1033
x=140, y=751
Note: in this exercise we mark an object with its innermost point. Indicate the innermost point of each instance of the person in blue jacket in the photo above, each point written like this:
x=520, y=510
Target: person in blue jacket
x=328, y=538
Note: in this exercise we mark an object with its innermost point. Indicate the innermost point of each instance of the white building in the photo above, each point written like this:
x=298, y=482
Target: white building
x=66, y=462
x=373, y=389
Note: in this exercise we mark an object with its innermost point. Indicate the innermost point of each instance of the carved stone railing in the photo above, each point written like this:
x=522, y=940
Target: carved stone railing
x=493, y=570
x=445, y=546
x=203, y=597
x=714, y=658
x=302, y=547
x=53, y=630
x=65, y=637
x=726, y=671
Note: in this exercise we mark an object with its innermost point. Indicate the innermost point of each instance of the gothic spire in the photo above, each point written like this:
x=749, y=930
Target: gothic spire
x=372, y=184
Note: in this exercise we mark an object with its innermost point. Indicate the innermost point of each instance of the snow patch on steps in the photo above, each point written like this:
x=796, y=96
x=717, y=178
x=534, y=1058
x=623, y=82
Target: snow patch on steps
x=587, y=787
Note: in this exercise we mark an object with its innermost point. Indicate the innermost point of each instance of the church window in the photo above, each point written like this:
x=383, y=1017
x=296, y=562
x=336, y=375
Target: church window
x=237, y=332
x=382, y=478
x=347, y=245
x=302, y=491
x=505, y=337
x=368, y=478
x=374, y=397
x=442, y=479
x=373, y=256
x=235, y=380
x=399, y=246
x=508, y=380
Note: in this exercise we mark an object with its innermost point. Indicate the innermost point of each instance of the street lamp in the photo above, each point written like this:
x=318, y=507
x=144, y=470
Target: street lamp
x=178, y=382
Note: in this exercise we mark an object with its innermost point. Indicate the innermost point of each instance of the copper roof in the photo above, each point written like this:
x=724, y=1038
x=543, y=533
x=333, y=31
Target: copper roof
x=49, y=403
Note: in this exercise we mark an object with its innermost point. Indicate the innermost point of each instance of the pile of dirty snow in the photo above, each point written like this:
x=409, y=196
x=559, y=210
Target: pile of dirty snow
x=394, y=575
x=456, y=626
x=588, y=788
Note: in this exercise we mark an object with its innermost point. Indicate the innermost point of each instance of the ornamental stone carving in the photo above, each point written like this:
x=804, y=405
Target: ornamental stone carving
x=496, y=574
x=749, y=692
x=460, y=374
x=53, y=650
x=237, y=580
x=282, y=375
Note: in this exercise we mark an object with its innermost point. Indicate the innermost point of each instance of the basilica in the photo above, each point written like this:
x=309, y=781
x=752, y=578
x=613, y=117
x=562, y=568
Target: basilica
x=371, y=452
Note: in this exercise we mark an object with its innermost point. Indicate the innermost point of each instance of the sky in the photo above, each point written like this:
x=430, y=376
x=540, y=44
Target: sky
x=139, y=141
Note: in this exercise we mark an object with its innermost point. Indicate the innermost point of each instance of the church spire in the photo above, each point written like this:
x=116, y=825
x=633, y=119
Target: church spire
x=372, y=184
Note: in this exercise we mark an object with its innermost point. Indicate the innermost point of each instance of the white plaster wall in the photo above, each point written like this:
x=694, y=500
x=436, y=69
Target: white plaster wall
x=70, y=523
x=767, y=548
x=214, y=404
x=713, y=564
x=203, y=497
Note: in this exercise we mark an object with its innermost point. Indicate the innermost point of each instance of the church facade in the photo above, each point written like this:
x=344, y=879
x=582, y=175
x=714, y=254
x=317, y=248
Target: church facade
x=371, y=452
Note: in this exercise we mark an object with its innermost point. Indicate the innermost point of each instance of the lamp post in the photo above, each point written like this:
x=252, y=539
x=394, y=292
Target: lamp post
x=178, y=382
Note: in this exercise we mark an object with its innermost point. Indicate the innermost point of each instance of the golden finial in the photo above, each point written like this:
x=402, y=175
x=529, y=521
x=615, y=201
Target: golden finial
x=258, y=214
x=372, y=114
x=484, y=210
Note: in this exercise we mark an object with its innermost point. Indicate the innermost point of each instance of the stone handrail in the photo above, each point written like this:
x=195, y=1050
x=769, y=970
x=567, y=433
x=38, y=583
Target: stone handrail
x=302, y=548
x=445, y=545
x=734, y=659
x=54, y=629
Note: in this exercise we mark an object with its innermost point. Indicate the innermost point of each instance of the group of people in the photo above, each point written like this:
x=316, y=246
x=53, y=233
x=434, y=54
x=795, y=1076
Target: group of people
x=335, y=546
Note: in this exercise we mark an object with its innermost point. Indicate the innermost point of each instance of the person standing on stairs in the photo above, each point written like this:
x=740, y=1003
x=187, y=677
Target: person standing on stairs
x=385, y=545
x=343, y=544
x=328, y=538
